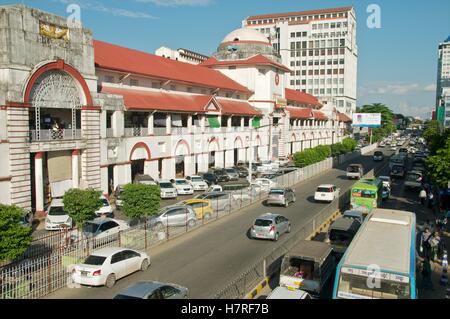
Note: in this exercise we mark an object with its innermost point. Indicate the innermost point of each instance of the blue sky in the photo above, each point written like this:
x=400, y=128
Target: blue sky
x=397, y=63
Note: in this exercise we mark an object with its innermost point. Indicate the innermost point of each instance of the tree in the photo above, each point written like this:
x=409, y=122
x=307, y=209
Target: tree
x=14, y=238
x=349, y=145
x=140, y=200
x=438, y=166
x=434, y=136
x=81, y=205
x=387, y=120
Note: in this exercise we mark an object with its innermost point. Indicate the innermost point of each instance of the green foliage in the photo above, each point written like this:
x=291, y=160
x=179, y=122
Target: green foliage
x=387, y=120
x=337, y=149
x=349, y=145
x=324, y=151
x=320, y=153
x=438, y=166
x=14, y=238
x=81, y=205
x=435, y=136
x=140, y=200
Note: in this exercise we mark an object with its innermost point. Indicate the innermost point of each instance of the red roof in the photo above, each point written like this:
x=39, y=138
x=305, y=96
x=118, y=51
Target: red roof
x=162, y=101
x=320, y=116
x=258, y=59
x=300, y=113
x=299, y=13
x=113, y=57
x=302, y=98
x=342, y=117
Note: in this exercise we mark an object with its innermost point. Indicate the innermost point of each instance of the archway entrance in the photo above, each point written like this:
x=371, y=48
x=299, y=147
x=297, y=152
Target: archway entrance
x=139, y=154
x=212, y=159
x=137, y=168
x=181, y=163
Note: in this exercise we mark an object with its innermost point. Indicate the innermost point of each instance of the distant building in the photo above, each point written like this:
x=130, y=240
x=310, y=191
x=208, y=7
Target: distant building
x=182, y=55
x=443, y=84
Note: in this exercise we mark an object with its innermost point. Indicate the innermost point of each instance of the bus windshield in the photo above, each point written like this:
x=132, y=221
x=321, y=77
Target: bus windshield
x=357, y=287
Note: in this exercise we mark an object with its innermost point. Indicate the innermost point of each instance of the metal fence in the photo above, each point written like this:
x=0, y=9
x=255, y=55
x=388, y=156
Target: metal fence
x=47, y=263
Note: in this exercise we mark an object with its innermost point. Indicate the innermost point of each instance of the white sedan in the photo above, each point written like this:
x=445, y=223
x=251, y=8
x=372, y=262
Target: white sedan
x=265, y=183
x=198, y=183
x=106, y=265
x=183, y=187
x=326, y=193
x=106, y=209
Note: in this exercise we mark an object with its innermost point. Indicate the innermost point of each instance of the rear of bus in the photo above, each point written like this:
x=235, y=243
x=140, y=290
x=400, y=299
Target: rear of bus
x=363, y=197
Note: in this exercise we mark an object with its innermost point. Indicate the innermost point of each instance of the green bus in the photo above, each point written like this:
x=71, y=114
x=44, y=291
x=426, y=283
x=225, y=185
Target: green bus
x=366, y=194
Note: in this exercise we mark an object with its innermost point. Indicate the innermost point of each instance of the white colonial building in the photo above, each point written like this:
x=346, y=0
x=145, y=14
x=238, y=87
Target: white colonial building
x=76, y=112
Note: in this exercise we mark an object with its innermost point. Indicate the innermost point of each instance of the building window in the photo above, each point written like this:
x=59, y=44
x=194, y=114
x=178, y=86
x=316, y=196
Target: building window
x=173, y=87
x=292, y=63
x=341, y=71
x=292, y=82
x=329, y=71
x=303, y=63
x=189, y=90
x=155, y=85
x=109, y=79
x=342, y=51
x=134, y=82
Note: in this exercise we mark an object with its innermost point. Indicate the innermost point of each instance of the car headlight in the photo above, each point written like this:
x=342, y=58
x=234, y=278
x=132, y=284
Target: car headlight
x=47, y=220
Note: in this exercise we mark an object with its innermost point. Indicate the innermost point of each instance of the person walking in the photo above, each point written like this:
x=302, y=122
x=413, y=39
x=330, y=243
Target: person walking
x=434, y=245
x=423, y=196
x=425, y=247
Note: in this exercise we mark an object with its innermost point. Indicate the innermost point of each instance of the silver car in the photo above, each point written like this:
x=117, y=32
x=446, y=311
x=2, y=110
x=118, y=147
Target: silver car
x=153, y=290
x=232, y=173
x=177, y=215
x=281, y=196
x=220, y=201
x=270, y=226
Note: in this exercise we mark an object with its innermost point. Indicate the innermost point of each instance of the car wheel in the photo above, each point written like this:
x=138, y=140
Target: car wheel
x=289, y=229
x=191, y=223
x=276, y=237
x=110, y=281
x=144, y=265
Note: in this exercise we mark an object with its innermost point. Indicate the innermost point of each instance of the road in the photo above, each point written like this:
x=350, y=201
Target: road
x=209, y=258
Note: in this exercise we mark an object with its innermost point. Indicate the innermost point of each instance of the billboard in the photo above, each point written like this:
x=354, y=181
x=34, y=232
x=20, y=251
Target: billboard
x=372, y=120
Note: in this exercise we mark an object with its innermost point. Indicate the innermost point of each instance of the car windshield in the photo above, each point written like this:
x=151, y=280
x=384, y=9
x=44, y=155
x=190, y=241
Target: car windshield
x=165, y=185
x=181, y=182
x=95, y=260
x=263, y=222
x=338, y=236
x=378, y=154
x=105, y=202
x=125, y=297
x=324, y=190
x=90, y=228
x=353, y=169
x=277, y=191
x=230, y=170
x=196, y=179
x=57, y=211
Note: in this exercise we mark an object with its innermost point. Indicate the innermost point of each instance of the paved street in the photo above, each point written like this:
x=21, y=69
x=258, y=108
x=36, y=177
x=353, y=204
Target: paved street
x=209, y=258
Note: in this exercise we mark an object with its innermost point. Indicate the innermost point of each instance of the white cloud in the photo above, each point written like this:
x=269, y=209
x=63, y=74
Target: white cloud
x=99, y=7
x=409, y=110
x=177, y=3
x=396, y=88
x=431, y=88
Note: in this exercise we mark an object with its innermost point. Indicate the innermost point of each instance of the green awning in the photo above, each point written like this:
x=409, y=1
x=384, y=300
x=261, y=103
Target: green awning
x=256, y=122
x=213, y=121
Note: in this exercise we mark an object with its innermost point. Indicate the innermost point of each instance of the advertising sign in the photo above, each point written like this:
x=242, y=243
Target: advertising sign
x=372, y=120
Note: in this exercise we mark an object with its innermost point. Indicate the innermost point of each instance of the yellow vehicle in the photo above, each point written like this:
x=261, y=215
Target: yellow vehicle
x=201, y=207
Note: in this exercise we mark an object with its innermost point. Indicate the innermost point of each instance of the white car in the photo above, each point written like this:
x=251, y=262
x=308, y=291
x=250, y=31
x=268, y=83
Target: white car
x=106, y=209
x=386, y=181
x=167, y=189
x=326, y=193
x=103, y=227
x=265, y=183
x=183, y=186
x=104, y=266
x=198, y=183
x=285, y=293
x=56, y=216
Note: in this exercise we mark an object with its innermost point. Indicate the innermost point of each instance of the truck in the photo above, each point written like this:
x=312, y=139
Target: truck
x=308, y=266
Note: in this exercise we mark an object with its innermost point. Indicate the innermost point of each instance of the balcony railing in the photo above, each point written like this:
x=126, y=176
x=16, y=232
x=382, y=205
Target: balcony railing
x=135, y=131
x=54, y=135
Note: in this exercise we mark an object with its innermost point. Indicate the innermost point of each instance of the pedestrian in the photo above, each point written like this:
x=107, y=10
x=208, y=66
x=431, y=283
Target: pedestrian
x=425, y=243
x=426, y=274
x=423, y=196
x=434, y=245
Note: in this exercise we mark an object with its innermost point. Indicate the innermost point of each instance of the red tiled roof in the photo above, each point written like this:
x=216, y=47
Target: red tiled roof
x=236, y=107
x=299, y=13
x=172, y=102
x=113, y=57
x=300, y=113
x=342, y=117
x=320, y=116
x=302, y=98
x=258, y=59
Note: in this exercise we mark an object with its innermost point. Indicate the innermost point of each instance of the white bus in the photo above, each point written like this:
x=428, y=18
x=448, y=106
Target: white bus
x=380, y=263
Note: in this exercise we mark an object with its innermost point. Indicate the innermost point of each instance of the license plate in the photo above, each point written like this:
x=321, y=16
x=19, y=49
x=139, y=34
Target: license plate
x=84, y=273
x=323, y=195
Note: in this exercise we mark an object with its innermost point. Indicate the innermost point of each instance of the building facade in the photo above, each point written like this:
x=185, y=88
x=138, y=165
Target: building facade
x=443, y=84
x=182, y=55
x=321, y=50
x=80, y=113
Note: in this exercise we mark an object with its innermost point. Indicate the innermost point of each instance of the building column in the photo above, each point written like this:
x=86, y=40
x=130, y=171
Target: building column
x=202, y=123
x=242, y=124
x=168, y=168
x=150, y=124
x=151, y=169
x=229, y=124
x=229, y=158
x=75, y=168
x=168, y=124
x=39, y=184
x=219, y=159
x=189, y=124
x=189, y=165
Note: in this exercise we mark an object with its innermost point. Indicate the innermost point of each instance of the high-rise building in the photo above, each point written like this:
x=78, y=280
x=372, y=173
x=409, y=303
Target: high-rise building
x=319, y=46
x=443, y=84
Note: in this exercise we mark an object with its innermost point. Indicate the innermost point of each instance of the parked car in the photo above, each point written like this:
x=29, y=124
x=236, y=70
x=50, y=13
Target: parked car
x=403, y=150
x=183, y=186
x=144, y=179
x=106, y=265
x=103, y=227
x=221, y=175
x=378, y=156
x=232, y=174
x=242, y=171
x=201, y=207
x=172, y=216
x=308, y=266
x=57, y=218
x=286, y=294
x=281, y=196
x=326, y=193
x=220, y=201
x=198, y=183
x=355, y=171
x=106, y=210
x=167, y=189
x=265, y=183
x=270, y=226
x=340, y=234
x=153, y=290
x=210, y=178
